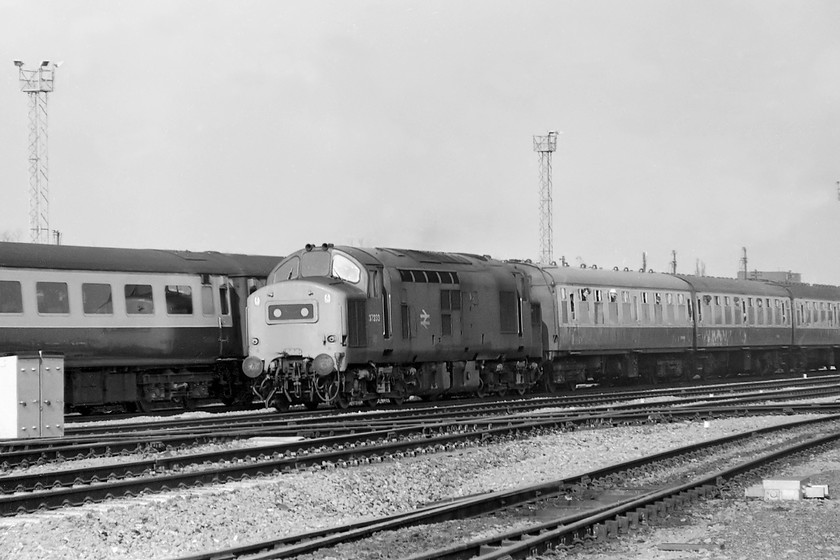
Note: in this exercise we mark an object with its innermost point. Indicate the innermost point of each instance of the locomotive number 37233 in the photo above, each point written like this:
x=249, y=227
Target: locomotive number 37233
x=374, y=318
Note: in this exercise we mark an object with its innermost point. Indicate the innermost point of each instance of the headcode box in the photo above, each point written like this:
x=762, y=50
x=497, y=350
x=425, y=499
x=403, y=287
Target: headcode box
x=31, y=396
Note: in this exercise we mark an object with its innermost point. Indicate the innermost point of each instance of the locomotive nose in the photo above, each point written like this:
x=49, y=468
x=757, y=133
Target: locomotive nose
x=323, y=364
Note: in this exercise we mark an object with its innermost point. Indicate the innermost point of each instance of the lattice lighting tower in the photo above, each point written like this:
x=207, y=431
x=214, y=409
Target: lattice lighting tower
x=38, y=84
x=545, y=146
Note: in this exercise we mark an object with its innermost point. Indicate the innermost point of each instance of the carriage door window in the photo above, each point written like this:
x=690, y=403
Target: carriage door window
x=207, y=305
x=224, y=299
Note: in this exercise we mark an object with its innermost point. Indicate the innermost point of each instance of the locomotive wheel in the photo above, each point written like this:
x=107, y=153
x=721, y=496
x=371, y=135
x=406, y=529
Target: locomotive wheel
x=311, y=405
x=397, y=401
x=521, y=391
x=371, y=402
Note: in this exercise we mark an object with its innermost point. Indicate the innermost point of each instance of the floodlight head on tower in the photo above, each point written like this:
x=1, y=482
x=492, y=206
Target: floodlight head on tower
x=45, y=63
x=18, y=63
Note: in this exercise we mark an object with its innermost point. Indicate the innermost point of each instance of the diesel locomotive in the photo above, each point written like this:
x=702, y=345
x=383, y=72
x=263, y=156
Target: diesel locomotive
x=137, y=327
x=335, y=324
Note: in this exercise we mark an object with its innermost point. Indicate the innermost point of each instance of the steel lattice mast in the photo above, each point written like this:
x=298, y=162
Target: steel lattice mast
x=545, y=146
x=38, y=84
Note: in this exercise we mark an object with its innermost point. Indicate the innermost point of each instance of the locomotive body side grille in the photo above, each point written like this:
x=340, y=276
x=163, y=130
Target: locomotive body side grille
x=356, y=323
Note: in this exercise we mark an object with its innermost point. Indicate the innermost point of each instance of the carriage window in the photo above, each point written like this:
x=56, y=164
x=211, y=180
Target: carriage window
x=10, y=298
x=52, y=297
x=179, y=300
x=344, y=268
x=613, y=296
x=96, y=299
x=138, y=299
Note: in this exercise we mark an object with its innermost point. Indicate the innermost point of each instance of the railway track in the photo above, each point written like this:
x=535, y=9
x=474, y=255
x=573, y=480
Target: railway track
x=31, y=453
x=97, y=441
x=75, y=428
x=26, y=492
x=640, y=502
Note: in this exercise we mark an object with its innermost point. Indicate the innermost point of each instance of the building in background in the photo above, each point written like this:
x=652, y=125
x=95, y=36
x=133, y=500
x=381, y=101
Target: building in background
x=781, y=276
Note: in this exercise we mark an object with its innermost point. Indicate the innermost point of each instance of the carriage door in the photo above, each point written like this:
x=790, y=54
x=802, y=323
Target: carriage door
x=223, y=308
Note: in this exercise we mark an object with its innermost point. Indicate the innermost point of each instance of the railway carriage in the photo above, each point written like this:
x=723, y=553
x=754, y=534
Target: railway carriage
x=342, y=323
x=816, y=325
x=605, y=325
x=136, y=327
x=741, y=325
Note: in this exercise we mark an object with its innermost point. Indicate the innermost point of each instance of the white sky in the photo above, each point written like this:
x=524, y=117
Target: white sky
x=699, y=126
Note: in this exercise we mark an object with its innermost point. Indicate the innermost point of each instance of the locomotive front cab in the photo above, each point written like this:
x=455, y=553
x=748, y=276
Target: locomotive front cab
x=299, y=327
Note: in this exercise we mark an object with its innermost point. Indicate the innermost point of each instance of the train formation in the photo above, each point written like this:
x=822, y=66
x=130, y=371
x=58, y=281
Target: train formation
x=335, y=324
x=329, y=324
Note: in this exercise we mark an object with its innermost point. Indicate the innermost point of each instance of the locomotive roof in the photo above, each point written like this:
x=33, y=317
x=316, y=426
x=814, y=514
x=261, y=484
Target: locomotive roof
x=68, y=257
x=414, y=258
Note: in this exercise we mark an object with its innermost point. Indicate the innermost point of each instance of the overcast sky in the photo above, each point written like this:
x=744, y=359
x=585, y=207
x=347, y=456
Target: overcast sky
x=259, y=126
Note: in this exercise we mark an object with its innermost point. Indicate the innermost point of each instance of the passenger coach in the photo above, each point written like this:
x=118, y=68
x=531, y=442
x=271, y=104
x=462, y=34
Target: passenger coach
x=136, y=327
